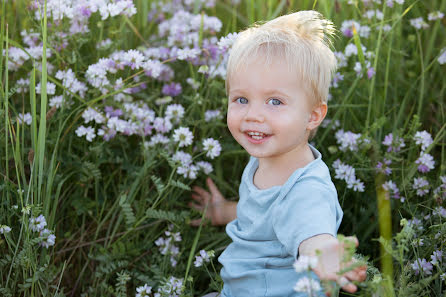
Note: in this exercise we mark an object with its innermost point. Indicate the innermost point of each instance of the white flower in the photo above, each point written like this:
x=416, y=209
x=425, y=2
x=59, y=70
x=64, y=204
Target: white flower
x=187, y=53
x=212, y=114
x=50, y=88
x=174, y=111
x=49, y=238
x=152, y=68
x=418, y=23
x=227, y=41
x=424, y=138
x=155, y=139
x=205, y=166
x=188, y=171
x=356, y=184
x=442, y=58
x=203, y=257
x=87, y=131
x=307, y=285
x=143, y=291
x=92, y=115
x=304, y=263
x=183, y=136
x=184, y=158
x=193, y=83
x=4, y=229
x=26, y=118
x=133, y=58
x=435, y=15
x=212, y=147
x=37, y=224
x=56, y=101
x=347, y=140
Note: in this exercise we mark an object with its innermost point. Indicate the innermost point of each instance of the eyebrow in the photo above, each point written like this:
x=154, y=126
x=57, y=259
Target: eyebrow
x=267, y=92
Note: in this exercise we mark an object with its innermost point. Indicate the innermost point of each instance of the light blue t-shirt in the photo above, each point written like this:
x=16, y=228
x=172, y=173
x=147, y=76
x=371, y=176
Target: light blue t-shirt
x=270, y=225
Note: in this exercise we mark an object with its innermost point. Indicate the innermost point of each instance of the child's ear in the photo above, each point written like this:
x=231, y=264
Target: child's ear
x=317, y=116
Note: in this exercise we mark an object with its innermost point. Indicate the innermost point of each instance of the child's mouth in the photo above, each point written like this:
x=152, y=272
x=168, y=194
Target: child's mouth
x=257, y=137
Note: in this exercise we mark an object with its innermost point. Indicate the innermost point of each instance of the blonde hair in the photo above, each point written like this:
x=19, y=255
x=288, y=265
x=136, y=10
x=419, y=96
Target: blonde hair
x=302, y=39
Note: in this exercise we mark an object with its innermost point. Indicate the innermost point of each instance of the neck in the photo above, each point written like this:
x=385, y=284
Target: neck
x=288, y=162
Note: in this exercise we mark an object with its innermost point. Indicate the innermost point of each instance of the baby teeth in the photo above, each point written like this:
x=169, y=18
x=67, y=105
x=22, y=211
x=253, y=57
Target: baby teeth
x=256, y=135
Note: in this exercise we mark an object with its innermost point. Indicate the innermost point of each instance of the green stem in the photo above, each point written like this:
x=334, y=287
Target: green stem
x=385, y=226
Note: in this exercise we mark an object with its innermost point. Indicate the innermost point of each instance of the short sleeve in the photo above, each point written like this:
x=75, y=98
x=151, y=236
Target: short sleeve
x=308, y=209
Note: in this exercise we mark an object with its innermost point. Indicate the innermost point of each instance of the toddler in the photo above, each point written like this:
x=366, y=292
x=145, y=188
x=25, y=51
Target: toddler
x=278, y=77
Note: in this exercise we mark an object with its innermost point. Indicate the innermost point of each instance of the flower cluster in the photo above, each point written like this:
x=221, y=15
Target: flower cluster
x=38, y=225
x=309, y=286
x=347, y=173
x=4, y=229
x=166, y=245
x=393, y=143
x=172, y=287
x=421, y=265
x=391, y=187
x=383, y=167
x=347, y=140
x=305, y=263
x=306, y=284
x=204, y=257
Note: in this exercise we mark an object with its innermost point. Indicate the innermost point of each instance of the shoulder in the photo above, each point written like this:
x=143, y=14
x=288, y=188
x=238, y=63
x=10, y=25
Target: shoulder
x=315, y=179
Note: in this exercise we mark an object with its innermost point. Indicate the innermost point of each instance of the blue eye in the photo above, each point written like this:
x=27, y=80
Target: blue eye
x=241, y=100
x=274, y=101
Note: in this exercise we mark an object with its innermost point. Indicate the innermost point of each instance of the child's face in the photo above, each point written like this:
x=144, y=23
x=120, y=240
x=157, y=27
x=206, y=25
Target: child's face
x=269, y=100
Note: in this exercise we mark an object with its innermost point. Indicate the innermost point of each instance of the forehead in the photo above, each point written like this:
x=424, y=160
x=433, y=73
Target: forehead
x=265, y=74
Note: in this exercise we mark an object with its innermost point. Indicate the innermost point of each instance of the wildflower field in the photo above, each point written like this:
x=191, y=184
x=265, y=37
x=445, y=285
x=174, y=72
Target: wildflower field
x=111, y=111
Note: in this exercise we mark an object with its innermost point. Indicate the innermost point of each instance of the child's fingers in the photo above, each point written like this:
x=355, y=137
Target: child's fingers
x=198, y=207
x=212, y=187
x=200, y=199
x=201, y=191
x=346, y=285
x=195, y=223
x=354, y=275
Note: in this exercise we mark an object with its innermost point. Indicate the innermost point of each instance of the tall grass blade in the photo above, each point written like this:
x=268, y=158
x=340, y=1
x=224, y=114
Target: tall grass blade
x=43, y=103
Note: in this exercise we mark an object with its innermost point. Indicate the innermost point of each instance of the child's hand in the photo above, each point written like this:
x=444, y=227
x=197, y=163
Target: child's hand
x=331, y=253
x=219, y=210
x=331, y=262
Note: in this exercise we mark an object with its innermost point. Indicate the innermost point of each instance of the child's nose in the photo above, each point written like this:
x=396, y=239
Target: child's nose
x=255, y=113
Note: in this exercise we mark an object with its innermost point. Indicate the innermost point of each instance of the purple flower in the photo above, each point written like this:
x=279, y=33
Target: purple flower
x=110, y=112
x=383, y=167
x=85, y=11
x=439, y=211
x=391, y=187
x=423, y=266
x=337, y=78
x=109, y=134
x=421, y=185
x=436, y=257
x=394, y=143
x=172, y=89
x=426, y=162
x=370, y=72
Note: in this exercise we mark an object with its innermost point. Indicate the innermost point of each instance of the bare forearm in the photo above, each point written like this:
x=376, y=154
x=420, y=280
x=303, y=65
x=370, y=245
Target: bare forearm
x=309, y=246
x=230, y=211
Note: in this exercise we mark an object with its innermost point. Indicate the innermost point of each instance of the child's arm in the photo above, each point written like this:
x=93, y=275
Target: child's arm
x=330, y=260
x=220, y=211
